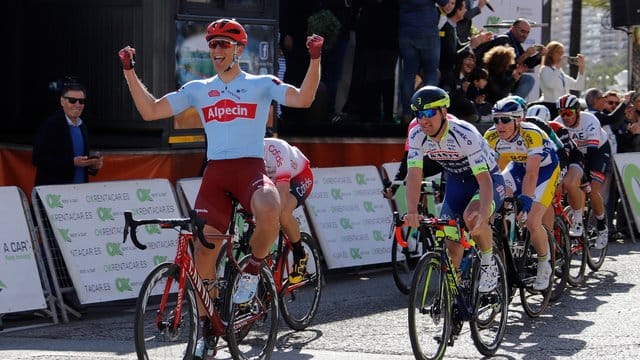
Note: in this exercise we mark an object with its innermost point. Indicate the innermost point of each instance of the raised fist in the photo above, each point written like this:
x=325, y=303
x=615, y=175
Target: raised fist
x=127, y=57
x=314, y=43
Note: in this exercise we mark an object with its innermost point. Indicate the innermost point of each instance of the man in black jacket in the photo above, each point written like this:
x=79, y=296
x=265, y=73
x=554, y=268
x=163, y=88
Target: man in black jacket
x=61, y=146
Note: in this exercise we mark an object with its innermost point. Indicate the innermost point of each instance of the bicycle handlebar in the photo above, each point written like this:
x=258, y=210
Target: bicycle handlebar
x=425, y=184
x=190, y=223
x=436, y=223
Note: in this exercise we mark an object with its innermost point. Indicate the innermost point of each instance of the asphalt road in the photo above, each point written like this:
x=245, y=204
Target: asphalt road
x=363, y=316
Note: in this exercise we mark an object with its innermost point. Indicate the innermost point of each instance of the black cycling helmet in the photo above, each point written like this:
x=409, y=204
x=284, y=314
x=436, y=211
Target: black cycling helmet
x=429, y=97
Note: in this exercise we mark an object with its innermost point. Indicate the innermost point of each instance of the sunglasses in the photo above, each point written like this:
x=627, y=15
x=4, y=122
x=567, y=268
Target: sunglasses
x=73, y=100
x=502, y=119
x=637, y=111
x=429, y=113
x=614, y=103
x=225, y=44
x=567, y=112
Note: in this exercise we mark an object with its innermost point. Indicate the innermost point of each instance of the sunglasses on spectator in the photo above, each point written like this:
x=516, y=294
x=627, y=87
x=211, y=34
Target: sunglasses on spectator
x=567, y=112
x=429, y=113
x=614, y=103
x=637, y=111
x=73, y=100
x=503, y=119
x=225, y=44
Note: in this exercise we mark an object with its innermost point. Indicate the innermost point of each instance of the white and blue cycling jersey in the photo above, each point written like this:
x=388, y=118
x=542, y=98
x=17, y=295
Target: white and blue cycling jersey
x=234, y=115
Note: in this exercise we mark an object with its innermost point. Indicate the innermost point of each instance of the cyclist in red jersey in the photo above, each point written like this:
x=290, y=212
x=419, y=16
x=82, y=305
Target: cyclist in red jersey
x=233, y=107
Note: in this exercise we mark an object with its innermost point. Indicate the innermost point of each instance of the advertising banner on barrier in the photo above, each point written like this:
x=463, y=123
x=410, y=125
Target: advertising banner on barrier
x=351, y=217
x=190, y=187
x=629, y=171
x=20, y=286
x=87, y=221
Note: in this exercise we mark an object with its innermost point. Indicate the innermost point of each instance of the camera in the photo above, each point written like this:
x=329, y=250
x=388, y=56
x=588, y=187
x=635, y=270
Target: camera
x=572, y=60
x=538, y=47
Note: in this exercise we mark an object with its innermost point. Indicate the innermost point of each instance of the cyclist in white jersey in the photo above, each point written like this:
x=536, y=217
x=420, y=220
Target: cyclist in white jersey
x=584, y=128
x=290, y=170
x=475, y=187
x=233, y=107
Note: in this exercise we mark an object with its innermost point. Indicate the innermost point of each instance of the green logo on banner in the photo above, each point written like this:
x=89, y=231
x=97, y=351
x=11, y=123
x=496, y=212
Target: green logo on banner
x=104, y=214
x=355, y=253
x=64, y=233
x=152, y=229
x=631, y=181
x=345, y=223
x=122, y=284
x=113, y=249
x=336, y=194
x=53, y=201
x=159, y=259
x=377, y=236
x=312, y=209
x=144, y=195
x=361, y=179
x=2, y=285
x=368, y=206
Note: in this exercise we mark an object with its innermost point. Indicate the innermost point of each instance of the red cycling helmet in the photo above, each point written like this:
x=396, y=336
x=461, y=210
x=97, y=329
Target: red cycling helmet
x=229, y=28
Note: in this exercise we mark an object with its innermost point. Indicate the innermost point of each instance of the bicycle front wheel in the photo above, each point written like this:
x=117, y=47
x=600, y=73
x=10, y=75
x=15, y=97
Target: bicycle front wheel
x=299, y=302
x=159, y=331
x=563, y=258
x=404, y=260
x=253, y=328
x=491, y=311
x=534, y=302
x=595, y=257
x=429, y=309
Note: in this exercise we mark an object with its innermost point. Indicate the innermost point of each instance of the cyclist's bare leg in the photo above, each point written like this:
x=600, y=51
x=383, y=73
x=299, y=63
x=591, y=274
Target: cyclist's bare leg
x=288, y=222
x=547, y=218
x=536, y=230
x=480, y=233
x=205, y=260
x=265, y=206
x=571, y=184
x=597, y=203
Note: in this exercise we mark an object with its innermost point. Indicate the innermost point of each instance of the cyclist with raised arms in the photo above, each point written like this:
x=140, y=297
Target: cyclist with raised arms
x=475, y=187
x=233, y=107
x=531, y=174
x=571, y=164
x=290, y=170
x=584, y=128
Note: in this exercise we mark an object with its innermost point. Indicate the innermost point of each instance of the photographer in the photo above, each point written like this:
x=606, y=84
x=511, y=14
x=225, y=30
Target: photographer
x=554, y=82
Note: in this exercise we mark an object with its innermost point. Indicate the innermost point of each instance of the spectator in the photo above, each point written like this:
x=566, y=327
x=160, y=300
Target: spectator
x=597, y=105
x=463, y=27
x=61, y=146
x=450, y=46
x=503, y=72
x=419, y=45
x=476, y=93
x=465, y=63
x=612, y=100
x=553, y=80
x=530, y=58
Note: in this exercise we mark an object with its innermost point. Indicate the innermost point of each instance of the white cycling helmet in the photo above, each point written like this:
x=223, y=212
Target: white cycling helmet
x=540, y=111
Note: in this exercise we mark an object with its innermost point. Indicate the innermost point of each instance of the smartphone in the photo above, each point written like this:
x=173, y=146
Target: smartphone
x=538, y=47
x=572, y=60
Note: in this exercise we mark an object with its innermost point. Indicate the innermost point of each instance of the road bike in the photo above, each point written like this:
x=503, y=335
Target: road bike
x=576, y=256
x=441, y=299
x=408, y=245
x=564, y=258
x=520, y=258
x=166, y=318
x=298, y=302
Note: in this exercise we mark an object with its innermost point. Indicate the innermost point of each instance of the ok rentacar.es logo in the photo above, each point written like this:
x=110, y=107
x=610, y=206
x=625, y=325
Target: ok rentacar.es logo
x=228, y=110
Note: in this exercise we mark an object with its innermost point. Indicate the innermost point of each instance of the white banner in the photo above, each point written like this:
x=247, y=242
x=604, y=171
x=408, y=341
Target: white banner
x=509, y=11
x=629, y=170
x=190, y=187
x=20, y=286
x=87, y=220
x=351, y=217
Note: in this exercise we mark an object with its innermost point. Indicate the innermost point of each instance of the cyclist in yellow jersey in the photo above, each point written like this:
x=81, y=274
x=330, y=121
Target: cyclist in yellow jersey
x=531, y=173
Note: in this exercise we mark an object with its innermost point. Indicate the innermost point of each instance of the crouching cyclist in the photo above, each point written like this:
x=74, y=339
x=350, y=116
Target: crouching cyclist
x=290, y=170
x=584, y=128
x=475, y=187
x=531, y=174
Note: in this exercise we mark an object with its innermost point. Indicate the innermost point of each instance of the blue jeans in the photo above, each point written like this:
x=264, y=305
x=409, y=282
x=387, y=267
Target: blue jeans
x=524, y=85
x=418, y=53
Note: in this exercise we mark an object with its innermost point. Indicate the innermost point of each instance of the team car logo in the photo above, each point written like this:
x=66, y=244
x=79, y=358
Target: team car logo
x=229, y=110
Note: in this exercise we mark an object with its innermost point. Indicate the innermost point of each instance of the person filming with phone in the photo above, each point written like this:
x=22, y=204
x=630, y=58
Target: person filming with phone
x=554, y=82
x=61, y=145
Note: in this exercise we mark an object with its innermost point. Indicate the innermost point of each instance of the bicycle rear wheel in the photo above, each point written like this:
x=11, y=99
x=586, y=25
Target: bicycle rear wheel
x=155, y=333
x=595, y=257
x=534, y=302
x=253, y=328
x=563, y=258
x=429, y=309
x=299, y=302
x=404, y=259
x=490, y=311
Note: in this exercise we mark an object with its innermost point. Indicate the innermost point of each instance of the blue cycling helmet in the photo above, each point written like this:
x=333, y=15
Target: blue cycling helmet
x=511, y=106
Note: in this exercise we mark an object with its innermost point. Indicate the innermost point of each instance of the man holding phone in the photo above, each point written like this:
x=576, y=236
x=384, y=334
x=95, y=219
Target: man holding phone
x=61, y=146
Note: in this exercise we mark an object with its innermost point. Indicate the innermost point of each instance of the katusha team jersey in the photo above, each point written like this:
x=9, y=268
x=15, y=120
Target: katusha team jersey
x=462, y=151
x=234, y=115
